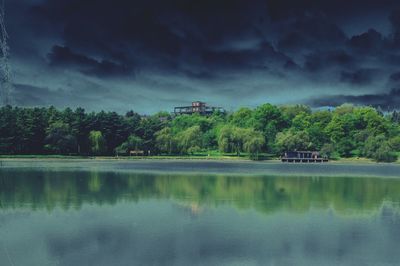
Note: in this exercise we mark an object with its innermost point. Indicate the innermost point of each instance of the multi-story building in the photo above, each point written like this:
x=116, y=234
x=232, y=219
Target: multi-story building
x=197, y=108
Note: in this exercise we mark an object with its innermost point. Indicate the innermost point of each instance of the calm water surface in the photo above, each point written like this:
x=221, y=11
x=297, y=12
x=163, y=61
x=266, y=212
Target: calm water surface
x=55, y=216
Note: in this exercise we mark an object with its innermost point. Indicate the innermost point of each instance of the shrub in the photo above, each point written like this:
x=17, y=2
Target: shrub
x=385, y=154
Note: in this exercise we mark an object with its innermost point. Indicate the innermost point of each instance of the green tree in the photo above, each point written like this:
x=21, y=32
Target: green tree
x=253, y=143
x=38, y=124
x=385, y=153
x=317, y=123
x=346, y=108
x=293, y=141
x=370, y=119
x=115, y=128
x=341, y=130
x=379, y=149
x=242, y=117
x=80, y=128
x=59, y=139
x=165, y=141
x=97, y=142
x=8, y=130
x=395, y=117
x=183, y=122
x=349, y=130
x=237, y=140
x=133, y=143
x=394, y=143
x=190, y=140
x=147, y=131
x=231, y=139
x=328, y=150
x=269, y=120
x=372, y=144
x=302, y=121
x=290, y=111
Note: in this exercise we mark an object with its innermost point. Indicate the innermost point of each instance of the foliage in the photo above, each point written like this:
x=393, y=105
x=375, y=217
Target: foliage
x=345, y=131
x=394, y=143
x=269, y=120
x=190, y=140
x=328, y=150
x=293, y=141
x=290, y=111
x=166, y=141
x=97, y=142
x=395, y=117
x=253, y=143
x=237, y=140
x=242, y=117
x=385, y=154
x=231, y=139
x=379, y=149
x=59, y=139
x=133, y=143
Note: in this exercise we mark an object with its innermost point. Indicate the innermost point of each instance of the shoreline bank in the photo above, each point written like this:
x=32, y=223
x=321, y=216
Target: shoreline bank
x=360, y=160
x=204, y=167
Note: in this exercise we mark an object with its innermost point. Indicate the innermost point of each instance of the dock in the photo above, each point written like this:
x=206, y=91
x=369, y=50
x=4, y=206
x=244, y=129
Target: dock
x=304, y=160
x=303, y=157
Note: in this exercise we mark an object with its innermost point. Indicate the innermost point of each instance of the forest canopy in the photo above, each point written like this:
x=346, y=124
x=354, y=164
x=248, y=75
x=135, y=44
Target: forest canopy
x=346, y=131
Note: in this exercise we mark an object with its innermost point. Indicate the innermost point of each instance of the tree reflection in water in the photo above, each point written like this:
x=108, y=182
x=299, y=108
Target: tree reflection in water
x=266, y=194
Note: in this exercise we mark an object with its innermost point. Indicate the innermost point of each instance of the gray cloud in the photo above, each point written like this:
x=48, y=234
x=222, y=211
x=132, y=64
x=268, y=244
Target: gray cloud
x=64, y=57
x=388, y=100
x=142, y=51
x=362, y=76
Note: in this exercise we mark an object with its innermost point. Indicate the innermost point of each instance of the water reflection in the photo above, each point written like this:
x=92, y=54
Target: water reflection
x=93, y=218
x=266, y=194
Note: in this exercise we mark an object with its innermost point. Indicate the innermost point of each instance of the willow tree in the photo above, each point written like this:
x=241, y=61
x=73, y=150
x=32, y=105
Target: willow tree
x=6, y=84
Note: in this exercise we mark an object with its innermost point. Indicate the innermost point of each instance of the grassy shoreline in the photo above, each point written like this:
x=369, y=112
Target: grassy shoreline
x=192, y=158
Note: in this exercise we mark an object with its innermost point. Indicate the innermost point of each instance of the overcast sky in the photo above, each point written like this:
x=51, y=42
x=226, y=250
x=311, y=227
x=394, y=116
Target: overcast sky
x=151, y=55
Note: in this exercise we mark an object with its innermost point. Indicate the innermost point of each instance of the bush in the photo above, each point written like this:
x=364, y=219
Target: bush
x=133, y=143
x=395, y=143
x=385, y=154
x=327, y=150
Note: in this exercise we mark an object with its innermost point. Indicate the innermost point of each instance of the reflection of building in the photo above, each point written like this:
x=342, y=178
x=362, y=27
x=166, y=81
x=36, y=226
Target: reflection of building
x=303, y=157
x=197, y=108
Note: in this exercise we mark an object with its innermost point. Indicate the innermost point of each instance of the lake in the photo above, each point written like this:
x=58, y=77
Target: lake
x=198, y=213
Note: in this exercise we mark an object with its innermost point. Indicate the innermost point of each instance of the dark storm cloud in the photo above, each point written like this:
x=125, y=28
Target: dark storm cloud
x=389, y=100
x=29, y=95
x=359, y=77
x=258, y=57
x=281, y=9
x=395, y=21
x=311, y=31
x=64, y=57
x=395, y=76
x=214, y=48
x=367, y=41
x=157, y=34
x=322, y=60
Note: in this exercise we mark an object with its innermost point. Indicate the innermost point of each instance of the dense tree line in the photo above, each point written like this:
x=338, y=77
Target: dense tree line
x=347, y=131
